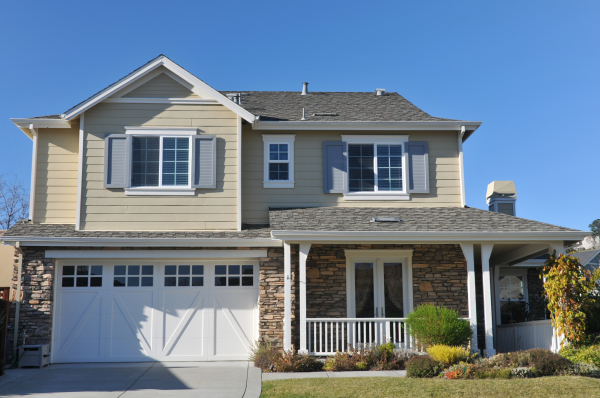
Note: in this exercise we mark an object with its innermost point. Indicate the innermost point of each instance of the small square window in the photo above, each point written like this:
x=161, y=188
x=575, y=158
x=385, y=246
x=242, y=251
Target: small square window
x=234, y=281
x=220, y=270
x=234, y=270
x=197, y=269
x=170, y=281
x=184, y=270
x=248, y=269
x=82, y=282
x=95, y=281
x=184, y=281
x=197, y=281
x=96, y=270
x=119, y=281
x=133, y=270
x=69, y=270
x=68, y=282
x=82, y=270
x=247, y=281
x=148, y=270
x=147, y=281
x=221, y=281
x=120, y=270
x=171, y=270
x=133, y=281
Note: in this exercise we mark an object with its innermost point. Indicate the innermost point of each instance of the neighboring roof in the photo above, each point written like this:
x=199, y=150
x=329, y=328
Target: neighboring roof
x=347, y=106
x=585, y=256
x=31, y=230
x=432, y=219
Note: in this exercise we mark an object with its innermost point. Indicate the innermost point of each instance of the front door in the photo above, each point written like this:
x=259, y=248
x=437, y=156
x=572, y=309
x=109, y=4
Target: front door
x=378, y=288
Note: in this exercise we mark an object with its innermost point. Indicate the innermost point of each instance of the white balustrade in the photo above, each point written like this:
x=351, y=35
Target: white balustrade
x=327, y=335
x=526, y=335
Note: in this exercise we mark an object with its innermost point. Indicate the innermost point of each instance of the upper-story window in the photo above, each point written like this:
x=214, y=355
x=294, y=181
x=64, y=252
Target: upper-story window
x=376, y=167
x=160, y=161
x=278, y=160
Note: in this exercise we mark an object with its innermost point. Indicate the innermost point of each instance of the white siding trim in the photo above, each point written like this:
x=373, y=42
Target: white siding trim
x=159, y=191
x=239, y=173
x=288, y=139
x=461, y=166
x=360, y=125
x=143, y=242
x=375, y=196
x=161, y=130
x=374, y=139
x=156, y=254
x=184, y=101
x=80, y=172
x=34, y=155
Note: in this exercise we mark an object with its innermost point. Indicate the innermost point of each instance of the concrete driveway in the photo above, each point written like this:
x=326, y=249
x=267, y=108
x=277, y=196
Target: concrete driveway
x=147, y=379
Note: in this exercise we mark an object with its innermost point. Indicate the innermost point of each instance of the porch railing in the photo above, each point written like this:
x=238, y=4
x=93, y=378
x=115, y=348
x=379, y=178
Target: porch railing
x=325, y=336
x=526, y=335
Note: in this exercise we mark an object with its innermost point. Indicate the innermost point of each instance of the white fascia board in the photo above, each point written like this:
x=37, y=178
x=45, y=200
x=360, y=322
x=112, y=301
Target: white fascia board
x=416, y=237
x=174, y=68
x=155, y=254
x=321, y=125
x=41, y=123
x=174, y=101
x=141, y=242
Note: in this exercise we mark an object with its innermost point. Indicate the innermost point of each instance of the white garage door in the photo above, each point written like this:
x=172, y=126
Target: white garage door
x=166, y=311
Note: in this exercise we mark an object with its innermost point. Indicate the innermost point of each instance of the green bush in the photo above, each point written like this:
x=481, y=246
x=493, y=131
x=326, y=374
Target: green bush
x=547, y=363
x=431, y=324
x=293, y=362
x=423, y=366
x=589, y=354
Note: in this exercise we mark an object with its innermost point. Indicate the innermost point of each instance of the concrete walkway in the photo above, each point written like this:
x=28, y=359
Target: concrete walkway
x=148, y=380
x=308, y=375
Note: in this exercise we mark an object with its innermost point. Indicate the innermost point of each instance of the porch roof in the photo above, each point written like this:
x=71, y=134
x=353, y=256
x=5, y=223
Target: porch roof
x=439, y=221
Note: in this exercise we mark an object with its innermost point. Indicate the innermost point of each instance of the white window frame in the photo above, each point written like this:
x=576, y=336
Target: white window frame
x=162, y=132
x=378, y=257
x=508, y=271
x=288, y=139
x=378, y=140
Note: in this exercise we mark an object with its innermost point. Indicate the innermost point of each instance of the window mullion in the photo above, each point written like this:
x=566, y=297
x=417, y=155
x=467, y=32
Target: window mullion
x=376, y=180
x=160, y=161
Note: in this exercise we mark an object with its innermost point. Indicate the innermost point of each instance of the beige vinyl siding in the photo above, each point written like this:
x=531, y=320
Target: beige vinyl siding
x=110, y=209
x=444, y=175
x=56, y=175
x=162, y=86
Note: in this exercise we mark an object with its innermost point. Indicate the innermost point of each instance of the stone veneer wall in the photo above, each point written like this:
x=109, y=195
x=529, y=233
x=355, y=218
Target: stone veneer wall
x=439, y=277
x=37, y=281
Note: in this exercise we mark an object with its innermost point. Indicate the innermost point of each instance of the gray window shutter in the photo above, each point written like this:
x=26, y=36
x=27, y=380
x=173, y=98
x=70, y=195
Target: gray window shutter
x=117, y=163
x=204, y=168
x=335, y=156
x=418, y=167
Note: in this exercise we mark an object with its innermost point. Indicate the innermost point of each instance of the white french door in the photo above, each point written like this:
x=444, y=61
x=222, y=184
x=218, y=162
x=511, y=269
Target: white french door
x=379, y=283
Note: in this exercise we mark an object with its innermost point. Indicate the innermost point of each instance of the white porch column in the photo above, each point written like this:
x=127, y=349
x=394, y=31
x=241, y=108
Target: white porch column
x=559, y=246
x=486, y=252
x=304, y=249
x=467, y=249
x=287, y=297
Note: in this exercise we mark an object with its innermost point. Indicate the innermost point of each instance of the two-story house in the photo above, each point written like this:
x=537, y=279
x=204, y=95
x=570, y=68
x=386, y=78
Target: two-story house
x=171, y=221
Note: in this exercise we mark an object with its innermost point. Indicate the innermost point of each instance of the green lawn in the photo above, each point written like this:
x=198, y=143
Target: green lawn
x=568, y=386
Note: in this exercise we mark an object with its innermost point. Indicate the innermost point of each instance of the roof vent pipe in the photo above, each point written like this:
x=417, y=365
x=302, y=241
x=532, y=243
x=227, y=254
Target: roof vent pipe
x=305, y=88
x=380, y=91
x=303, y=113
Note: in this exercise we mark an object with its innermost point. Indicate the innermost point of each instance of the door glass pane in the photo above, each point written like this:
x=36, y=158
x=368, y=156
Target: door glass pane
x=363, y=288
x=392, y=288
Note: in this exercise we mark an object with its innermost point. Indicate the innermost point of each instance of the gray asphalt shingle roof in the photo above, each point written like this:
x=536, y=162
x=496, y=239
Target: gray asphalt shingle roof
x=68, y=231
x=585, y=256
x=434, y=219
x=347, y=106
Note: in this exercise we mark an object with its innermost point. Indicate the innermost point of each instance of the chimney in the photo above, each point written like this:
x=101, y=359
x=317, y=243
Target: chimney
x=380, y=91
x=501, y=197
x=305, y=88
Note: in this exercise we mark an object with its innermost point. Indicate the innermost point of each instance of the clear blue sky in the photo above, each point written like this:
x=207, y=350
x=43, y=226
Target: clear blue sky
x=528, y=70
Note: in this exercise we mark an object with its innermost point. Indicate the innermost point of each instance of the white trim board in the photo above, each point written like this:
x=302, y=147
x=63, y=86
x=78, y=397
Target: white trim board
x=360, y=125
x=175, y=101
x=156, y=254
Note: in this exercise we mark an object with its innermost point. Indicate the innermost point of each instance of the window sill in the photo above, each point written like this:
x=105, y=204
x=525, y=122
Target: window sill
x=160, y=191
x=376, y=196
x=278, y=184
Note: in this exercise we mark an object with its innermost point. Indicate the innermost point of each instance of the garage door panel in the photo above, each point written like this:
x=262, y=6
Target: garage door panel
x=184, y=325
x=233, y=329
x=80, y=350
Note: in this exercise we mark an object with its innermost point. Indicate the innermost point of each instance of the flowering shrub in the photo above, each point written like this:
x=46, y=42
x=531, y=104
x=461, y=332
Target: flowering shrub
x=590, y=354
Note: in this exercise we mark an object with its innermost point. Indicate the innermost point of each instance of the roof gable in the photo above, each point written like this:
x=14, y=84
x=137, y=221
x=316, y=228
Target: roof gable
x=175, y=71
x=159, y=86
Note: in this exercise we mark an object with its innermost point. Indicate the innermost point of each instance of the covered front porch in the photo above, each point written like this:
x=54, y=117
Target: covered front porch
x=350, y=295
x=353, y=288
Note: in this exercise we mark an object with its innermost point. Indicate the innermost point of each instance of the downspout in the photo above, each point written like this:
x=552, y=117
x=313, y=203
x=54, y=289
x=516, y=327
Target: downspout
x=461, y=166
x=34, y=156
x=18, y=299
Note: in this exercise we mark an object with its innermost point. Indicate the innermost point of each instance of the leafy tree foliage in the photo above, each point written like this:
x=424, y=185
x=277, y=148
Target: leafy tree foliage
x=567, y=286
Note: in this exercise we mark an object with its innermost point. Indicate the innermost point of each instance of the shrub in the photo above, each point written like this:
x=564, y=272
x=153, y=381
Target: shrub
x=589, y=354
x=448, y=355
x=430, y=325
x=293, y=362
x=263, y=355
x=546, y=363
x=423, y=366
